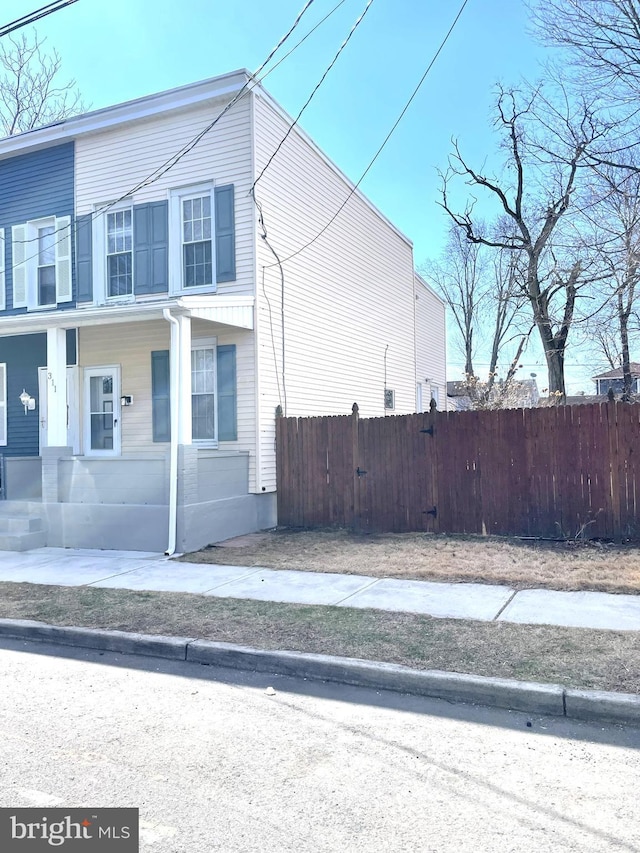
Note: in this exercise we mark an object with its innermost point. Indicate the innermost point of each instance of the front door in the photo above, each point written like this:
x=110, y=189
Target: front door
x=73, y=408
x=102, y=411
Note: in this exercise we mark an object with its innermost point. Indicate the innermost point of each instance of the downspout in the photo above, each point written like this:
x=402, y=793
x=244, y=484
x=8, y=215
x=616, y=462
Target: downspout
x=174, y=375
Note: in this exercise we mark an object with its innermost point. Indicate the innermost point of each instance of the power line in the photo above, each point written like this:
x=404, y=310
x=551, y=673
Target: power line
x=32, y=17
x=313, y=92
x=386, y=139
x=172, y=161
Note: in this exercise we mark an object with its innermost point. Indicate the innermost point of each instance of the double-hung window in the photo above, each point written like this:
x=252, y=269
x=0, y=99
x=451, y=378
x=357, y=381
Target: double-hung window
x=120, y=253
x=203, y=391
x=197, y=248
x=41, y=252
x=192, y=244
x=46, y=290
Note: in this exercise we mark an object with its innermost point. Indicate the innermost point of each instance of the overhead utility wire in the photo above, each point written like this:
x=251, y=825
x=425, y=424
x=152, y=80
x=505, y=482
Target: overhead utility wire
x=171, y=162
x=380, y=149
x=34, y=16
x=303, y=39
x=168, y=164
x=315, y=89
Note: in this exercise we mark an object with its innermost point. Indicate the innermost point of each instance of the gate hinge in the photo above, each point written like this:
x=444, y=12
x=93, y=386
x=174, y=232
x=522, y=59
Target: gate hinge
x=433, y=512
x=428, y=430
x=360, y=472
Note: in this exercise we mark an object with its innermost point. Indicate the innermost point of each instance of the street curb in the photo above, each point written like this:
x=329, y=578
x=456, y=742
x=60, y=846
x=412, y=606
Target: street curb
x=549, y=699
x=171, y=648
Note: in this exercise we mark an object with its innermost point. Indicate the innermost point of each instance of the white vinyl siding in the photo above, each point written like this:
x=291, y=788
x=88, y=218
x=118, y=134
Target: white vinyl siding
x=347, y=297
x=110, y=163
x=431, y=366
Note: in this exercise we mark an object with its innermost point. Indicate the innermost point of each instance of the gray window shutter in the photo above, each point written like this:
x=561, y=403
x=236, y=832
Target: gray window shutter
x=160, y=395
x=225, y=234
x=84, y=270
x=227, y=393
x=150, y=239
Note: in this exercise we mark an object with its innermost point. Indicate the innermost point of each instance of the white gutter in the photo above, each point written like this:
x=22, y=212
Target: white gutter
x=174, y=374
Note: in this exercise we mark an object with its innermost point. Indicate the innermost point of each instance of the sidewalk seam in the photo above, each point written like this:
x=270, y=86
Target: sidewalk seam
x=505, y=605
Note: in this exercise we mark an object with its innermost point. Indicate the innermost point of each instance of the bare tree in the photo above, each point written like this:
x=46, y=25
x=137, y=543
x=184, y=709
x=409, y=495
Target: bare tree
x=602, y=38
x=30, y=94
x=459, y=276
x=483, y=290
x=616, y=223
x=545, y=149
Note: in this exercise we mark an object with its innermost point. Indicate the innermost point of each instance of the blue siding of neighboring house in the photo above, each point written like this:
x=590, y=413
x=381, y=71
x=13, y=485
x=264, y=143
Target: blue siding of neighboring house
x=23, y=355
x=33, y=186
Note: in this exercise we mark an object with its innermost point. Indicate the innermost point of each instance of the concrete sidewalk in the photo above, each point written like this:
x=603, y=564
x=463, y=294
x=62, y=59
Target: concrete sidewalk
x=146, y=571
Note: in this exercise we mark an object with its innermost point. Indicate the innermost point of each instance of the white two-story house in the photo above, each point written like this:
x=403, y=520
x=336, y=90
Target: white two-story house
x=156, y=313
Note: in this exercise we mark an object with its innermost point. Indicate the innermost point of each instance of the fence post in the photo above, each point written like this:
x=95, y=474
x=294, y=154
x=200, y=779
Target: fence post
x=355, y=464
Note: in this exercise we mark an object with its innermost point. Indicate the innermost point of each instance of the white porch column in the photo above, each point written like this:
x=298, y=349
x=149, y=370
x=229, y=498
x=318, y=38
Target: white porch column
x=184, y=381
x=56, y=388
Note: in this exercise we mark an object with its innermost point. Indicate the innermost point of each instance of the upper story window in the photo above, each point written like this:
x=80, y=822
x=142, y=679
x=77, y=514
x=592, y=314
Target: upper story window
x=185, y=243
x=41, y=268
x=119, y=253
x=192, y=239
x=47, y=266
x=197, y=249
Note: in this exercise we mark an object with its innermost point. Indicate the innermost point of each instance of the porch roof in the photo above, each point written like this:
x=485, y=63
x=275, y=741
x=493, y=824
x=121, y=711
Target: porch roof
x=235, y=311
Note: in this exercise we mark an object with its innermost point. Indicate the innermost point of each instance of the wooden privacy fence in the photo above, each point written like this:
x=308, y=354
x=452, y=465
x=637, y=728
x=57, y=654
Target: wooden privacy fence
x=554, y=472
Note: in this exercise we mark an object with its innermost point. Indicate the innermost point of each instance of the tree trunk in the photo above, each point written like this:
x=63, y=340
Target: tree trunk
x=624, y=339
x=555, y=367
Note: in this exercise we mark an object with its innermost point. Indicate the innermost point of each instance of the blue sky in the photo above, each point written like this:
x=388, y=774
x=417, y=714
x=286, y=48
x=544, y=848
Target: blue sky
x=123, y=49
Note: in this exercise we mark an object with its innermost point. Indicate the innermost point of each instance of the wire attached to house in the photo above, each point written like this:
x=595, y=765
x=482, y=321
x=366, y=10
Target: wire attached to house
x=32, y=17
x=313, y=92
x=281, y=397
x=386, y=139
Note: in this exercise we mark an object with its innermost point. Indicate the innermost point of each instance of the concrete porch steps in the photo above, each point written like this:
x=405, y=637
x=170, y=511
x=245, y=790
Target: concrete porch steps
x=21, y=526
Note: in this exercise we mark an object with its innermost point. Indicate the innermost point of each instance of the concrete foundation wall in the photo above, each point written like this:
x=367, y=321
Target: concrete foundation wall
x=222, y=475
x=23, y=478
x=108, y=526
x=146, y=528
x=205, y=523
x=123, y=480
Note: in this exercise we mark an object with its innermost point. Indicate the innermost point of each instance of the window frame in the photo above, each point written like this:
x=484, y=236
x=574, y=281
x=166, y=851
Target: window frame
x=176, y=245
x=39, y=266
x=99, y=241
x=114, y=211
x=33, y=227
x=205, y=344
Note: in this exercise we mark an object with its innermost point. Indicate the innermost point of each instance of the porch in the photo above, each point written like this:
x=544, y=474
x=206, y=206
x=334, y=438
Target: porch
x=147, y=441
x=123, y=502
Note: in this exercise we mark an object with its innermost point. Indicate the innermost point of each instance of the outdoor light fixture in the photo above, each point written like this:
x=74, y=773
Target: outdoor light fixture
x=27, y=401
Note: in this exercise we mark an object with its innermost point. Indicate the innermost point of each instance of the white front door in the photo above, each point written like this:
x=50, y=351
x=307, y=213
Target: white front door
x=102, y=411
x=73, y=408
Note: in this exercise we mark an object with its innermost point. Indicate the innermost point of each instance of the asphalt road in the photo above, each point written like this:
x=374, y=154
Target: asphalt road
x=214, y=763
